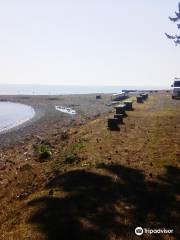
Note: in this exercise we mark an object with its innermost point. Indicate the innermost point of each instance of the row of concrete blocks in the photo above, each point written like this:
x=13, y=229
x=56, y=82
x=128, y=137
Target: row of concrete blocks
x=113, y=123
x=142, y=97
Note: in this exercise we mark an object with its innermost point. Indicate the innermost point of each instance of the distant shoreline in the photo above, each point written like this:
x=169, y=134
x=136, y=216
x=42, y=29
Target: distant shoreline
x=30, y=89
x=47, y=117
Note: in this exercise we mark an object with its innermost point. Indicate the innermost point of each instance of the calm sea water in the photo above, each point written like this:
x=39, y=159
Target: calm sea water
x=58, y=90
x=13, y=114
x=54, y=90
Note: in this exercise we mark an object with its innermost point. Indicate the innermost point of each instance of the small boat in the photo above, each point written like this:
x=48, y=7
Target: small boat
x=65, y=110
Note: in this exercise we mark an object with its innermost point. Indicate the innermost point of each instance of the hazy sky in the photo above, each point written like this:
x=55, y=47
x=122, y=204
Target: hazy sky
x=88, y=42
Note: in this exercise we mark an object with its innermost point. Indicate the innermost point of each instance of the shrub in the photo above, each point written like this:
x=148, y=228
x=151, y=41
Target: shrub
x=44, y=152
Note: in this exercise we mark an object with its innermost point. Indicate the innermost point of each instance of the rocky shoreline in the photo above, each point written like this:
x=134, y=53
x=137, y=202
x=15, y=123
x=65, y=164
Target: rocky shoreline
x=86, y=106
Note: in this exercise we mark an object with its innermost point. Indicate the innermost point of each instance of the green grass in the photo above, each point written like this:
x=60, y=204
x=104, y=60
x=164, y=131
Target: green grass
x=44, y=152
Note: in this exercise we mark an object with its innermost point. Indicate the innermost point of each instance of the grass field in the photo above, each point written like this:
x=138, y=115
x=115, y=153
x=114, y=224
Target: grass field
x=97, y=184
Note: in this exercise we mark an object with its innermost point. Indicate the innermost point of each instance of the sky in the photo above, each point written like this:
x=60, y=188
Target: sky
x=88, y=42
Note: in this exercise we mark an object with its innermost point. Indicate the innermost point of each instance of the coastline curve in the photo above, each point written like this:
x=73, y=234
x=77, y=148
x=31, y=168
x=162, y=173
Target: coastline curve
x=13, y=114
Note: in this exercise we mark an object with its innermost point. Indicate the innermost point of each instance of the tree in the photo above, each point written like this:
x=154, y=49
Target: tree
x=176, y=19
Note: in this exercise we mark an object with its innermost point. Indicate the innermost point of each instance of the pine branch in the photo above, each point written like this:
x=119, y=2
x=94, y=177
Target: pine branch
x=175, y=38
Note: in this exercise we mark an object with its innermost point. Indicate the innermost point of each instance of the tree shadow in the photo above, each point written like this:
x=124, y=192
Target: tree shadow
x=107, y=205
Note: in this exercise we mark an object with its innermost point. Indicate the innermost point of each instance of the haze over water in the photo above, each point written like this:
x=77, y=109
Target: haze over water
x=13, y=89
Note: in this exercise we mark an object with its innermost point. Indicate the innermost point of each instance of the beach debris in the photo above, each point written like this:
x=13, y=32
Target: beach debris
x=67, y=110
x=22, y=195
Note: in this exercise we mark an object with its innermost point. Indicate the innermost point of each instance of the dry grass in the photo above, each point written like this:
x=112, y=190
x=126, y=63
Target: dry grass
x=121, y=180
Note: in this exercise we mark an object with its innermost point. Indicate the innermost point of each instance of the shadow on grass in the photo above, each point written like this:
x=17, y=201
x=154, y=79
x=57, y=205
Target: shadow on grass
x=108, y=205
x=114, y=128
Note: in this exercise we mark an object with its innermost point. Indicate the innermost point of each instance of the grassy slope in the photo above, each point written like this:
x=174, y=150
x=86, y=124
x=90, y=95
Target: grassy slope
x=123, y=179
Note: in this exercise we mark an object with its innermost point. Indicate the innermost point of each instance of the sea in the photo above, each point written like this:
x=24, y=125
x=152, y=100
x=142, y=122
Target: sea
x=14, y=114
x=24, y=89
